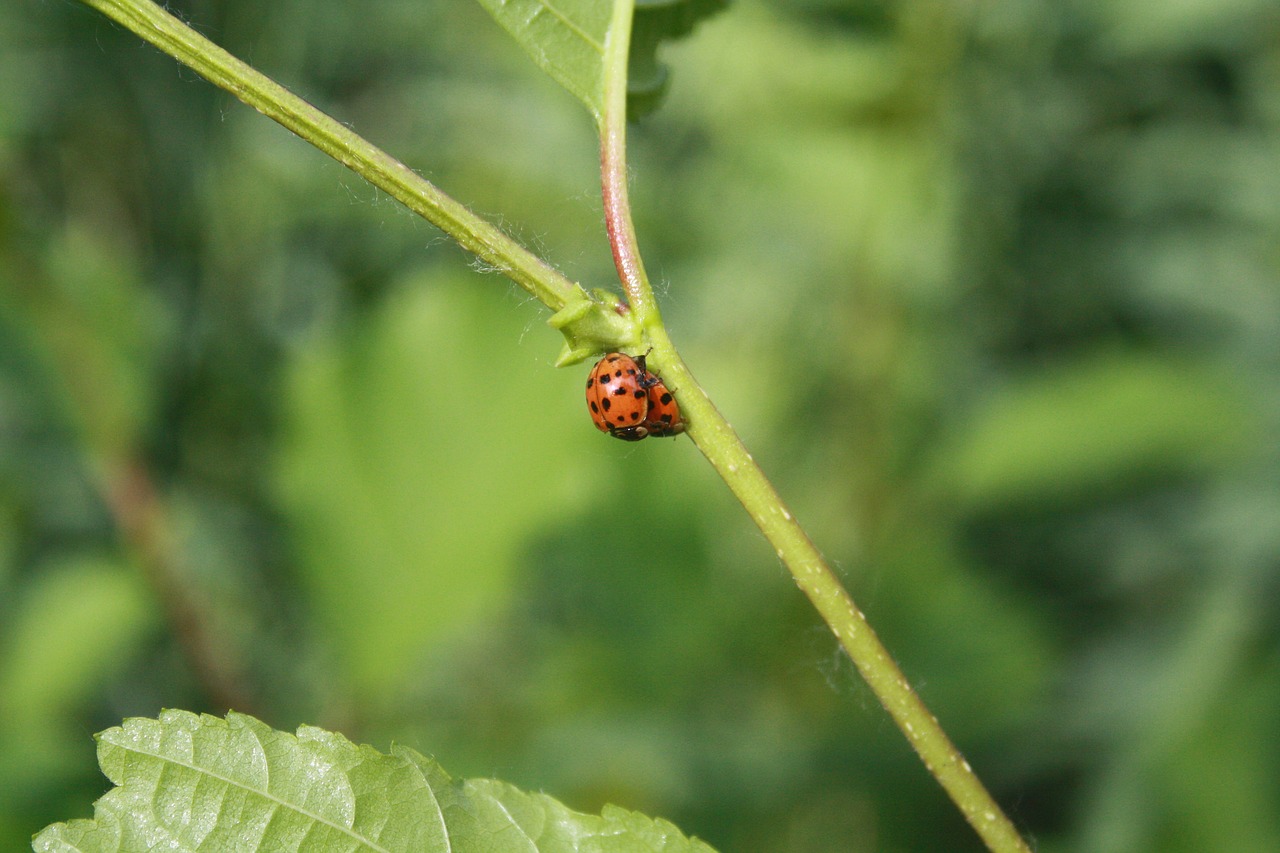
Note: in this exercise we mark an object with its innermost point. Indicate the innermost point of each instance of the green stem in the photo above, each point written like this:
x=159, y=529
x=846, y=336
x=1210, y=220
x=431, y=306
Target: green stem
x=473, y=233
x=613, y=171
x=713, y=435
x=708, y=429
x=724, y=450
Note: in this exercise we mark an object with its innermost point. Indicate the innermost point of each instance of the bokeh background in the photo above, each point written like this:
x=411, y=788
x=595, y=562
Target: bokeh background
x=991, y=290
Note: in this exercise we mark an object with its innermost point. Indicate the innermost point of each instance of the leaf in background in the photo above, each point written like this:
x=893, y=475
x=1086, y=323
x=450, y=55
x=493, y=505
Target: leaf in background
x=654, y=22
x=75, y=624
x=69, y=631
x=100, y=330
x=566, y=38
x=1100, y=420
x=419, y=456
x=187, y=782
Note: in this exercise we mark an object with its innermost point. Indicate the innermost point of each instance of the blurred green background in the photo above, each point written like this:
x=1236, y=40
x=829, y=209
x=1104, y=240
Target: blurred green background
x=992, y=291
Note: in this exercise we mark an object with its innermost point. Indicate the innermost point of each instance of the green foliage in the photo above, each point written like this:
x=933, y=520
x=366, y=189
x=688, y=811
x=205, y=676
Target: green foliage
x=93, y=341
x=1074, y=429
x=655, y=22
x=71, y=632
x=408, y=537
x=990, y=291
x=191, y=782
x=567, y=39
x=68, y=631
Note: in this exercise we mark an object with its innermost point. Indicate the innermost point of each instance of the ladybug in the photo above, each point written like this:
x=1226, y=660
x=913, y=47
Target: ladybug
x=618, y=396
x=664, y=414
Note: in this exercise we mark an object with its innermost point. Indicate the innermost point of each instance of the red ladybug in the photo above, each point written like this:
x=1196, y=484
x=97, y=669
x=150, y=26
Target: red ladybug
x=618, y=396
x=664, y=413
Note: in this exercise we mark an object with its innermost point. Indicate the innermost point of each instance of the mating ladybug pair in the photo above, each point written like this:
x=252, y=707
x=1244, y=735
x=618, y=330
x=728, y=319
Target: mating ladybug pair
x=629, y=402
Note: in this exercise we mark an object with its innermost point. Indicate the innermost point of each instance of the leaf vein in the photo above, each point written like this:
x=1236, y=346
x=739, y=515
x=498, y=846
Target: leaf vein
x=573, y=26
x=280, y=803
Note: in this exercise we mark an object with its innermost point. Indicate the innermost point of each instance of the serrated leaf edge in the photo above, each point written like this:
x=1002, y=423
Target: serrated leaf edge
x=234, y=719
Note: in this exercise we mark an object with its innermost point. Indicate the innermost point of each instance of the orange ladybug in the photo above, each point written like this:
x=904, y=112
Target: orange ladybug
x=629, y=402
x=618, y=396
x=664, y=413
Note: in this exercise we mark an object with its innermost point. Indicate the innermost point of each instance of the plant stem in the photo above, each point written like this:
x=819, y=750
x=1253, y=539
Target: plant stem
x=613, y=173
x=724, y=450
x=78, y=354
x=713, y=435
x=145, y=524
x=155, y=25
x=708, y=429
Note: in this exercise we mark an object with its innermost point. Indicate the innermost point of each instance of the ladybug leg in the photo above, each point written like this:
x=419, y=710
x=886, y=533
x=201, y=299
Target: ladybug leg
x=631, y=433
x=644, y=371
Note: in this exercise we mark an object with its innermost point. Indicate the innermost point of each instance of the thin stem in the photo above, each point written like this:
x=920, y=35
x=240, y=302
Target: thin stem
x=473, y=233
x=724, y=450
x=613, y=172
x=145, y=524
x=708, y=429
x=78, y=356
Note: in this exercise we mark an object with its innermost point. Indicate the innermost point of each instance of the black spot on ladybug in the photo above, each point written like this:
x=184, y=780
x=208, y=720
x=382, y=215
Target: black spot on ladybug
x=604, y=404
x=639, y=394
x=594, y=407
x=619, y=391
x=665, y=398
x=590, y=380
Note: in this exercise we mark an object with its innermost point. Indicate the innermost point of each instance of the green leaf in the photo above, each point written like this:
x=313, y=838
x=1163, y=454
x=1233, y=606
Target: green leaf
x=567, y=37
x=411, y=491
x=77, y=622
x=1091, y=423
x=657, y=21
x=188, y=782
x=98, y=327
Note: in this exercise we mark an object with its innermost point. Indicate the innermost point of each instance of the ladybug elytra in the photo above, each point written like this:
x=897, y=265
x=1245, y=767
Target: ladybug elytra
x=629, y=402
x=618, y=397
x=664, y=414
